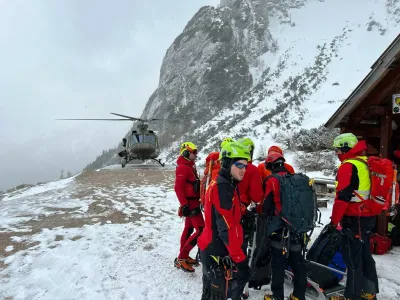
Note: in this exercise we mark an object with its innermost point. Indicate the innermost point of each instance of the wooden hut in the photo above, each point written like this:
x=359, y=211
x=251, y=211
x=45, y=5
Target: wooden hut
x=372, y=111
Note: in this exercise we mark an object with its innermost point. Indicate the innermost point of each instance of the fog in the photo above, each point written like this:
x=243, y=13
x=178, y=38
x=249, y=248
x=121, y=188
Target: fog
x=76, y=59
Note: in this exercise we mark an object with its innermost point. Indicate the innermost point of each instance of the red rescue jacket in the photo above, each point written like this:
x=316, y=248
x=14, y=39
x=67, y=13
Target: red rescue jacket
x=250, y=188
x=223, y=233
x=186, y=176
x=271, y=202
x=347, y=182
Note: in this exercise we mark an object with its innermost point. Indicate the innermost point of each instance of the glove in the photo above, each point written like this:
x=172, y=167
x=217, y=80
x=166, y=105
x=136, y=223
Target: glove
x=397, y=153
x=216, y=289
x=185, y=210
x=243, y=271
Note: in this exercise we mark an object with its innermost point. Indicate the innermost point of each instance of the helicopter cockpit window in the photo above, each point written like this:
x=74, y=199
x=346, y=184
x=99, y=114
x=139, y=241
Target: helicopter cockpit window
x=136, y=138
x=150, y=138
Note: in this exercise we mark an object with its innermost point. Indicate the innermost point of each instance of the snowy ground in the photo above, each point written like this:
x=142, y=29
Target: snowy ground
x=110, y=234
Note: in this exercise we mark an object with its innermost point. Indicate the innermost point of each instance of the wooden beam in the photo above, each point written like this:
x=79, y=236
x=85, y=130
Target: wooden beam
x=386, y=134
x=381, y=92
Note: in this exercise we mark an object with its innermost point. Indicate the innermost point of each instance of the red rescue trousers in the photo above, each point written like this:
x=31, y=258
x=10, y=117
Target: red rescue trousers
x=193, y=227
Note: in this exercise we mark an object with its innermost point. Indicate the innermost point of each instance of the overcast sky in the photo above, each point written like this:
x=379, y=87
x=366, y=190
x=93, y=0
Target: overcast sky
x=81, y=59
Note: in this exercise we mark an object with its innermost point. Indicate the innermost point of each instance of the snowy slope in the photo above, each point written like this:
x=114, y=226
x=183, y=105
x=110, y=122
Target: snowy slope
x=325, y=49
x=123, y=251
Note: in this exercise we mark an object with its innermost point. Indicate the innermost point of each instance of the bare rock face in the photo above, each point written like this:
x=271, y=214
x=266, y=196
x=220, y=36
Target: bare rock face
x=207, y=68
x=203, y=71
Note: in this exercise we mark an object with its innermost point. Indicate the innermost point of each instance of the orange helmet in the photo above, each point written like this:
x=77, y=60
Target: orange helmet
x=275, y=149
x=273, y=157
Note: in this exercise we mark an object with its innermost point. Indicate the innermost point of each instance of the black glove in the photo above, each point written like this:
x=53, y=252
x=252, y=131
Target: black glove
x=185, y=210
x=248, y=222
x=243, y=271
x=217, y=284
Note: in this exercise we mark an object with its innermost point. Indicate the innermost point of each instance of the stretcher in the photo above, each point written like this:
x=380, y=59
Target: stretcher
x=313, y=289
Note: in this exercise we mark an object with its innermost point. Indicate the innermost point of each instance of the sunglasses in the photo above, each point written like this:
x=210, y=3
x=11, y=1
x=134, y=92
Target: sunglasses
x=194, y=151
x=240, y=165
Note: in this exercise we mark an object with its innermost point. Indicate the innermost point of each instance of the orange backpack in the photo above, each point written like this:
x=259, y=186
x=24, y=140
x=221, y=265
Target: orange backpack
x=384, y=188
x=210, y=173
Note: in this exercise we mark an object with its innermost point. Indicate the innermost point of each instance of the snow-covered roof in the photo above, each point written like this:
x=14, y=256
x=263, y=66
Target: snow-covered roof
x=384, y=64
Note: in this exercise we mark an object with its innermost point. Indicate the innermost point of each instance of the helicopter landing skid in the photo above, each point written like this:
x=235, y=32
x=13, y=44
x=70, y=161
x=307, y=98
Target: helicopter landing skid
x=124, y=161
x=159, y=161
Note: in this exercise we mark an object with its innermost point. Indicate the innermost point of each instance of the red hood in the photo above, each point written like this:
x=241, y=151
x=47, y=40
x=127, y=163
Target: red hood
x=355, y=151
x=184, y=161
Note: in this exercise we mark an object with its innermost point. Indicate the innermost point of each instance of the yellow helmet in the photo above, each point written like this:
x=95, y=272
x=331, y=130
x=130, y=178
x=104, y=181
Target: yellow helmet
x=226, y=141
x=247, y=142
x=189, y=147
x=235, y=150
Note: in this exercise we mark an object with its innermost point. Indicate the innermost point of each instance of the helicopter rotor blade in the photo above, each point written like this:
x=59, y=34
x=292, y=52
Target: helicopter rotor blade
x=158, y=119
x=97, y=119
x=128, y=117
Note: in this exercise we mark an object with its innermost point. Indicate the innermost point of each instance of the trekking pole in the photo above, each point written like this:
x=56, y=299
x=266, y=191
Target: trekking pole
x=326, y=267
x=209, y=174
x=251, y=254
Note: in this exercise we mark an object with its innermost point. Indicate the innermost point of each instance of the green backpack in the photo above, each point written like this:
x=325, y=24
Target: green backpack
x=299, y=203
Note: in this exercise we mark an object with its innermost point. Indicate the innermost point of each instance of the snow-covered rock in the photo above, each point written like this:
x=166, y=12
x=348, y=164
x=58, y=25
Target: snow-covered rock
x=253, y=68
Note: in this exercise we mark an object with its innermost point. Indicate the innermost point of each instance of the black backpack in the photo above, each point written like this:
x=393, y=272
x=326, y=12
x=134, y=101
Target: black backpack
x=261, y=262
x=326, y=251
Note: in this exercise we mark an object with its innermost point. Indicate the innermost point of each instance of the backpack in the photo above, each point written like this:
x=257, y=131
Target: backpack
x=210, y=174
x=326, y=251
x=261, y=262
x=299, y=202
x=384, y=191
x=380, y=245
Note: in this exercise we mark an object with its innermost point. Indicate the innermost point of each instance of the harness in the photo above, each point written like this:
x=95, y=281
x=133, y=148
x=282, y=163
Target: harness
x=228, y=267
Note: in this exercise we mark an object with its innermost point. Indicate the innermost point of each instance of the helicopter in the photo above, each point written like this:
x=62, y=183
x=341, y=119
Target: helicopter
x=141, y=144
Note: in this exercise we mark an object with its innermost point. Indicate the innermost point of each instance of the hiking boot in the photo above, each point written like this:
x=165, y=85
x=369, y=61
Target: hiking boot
x=368, y=296
x=192, y=261
x=338, y=298
x=269, y=297
x=183, y=265
x=291, y=297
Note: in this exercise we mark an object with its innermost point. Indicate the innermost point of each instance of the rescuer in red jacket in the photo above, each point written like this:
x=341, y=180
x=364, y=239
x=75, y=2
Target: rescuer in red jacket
x=222, y=238
x=250, y=188
x=264, y=172
x=357, y=222
x=187, y=189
